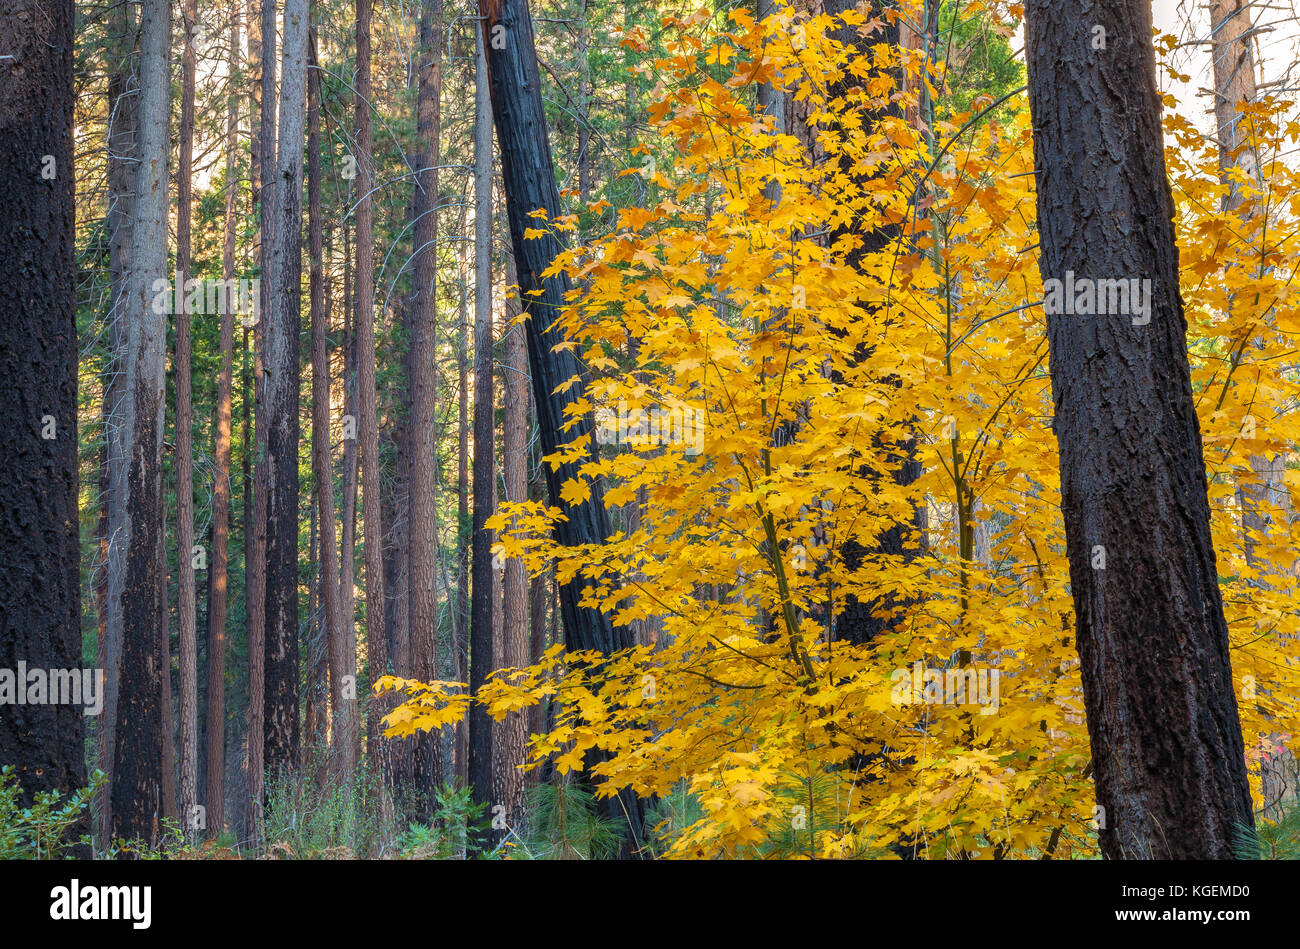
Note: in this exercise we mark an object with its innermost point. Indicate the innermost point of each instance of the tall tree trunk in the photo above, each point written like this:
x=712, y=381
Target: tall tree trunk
x=461, y=739
x=529, y=176
x=216, y=757
x=1161, y=712
x=343, y=708
x=372, y=516
x=482, y=659
x=123, y=117
x=282, y=399
x=39, y=584
x=256, y=554
x=509, y=741
x=137, y=577
x=185, y=595
x=423, y=594
x=348, y=529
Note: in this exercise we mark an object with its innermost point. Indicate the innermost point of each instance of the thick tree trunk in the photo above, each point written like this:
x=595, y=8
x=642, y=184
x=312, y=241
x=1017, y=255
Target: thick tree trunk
x=282, y=399
x=137, y=571
x=529, y=176
x=39, y=583
x=1162, y=715
x=528, y=172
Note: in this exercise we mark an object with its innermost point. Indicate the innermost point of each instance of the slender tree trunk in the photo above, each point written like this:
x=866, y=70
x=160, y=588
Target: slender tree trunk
x=256, y=554
x=482, y=659
x=423, y=594
x=377, y=646
x=123, y=112
x=185, y=596
x=509, y=741
x=348, y=529
x=40, y=580
x=216, y=758
x=342, y=699
x=461, y=739
x=1161, y=712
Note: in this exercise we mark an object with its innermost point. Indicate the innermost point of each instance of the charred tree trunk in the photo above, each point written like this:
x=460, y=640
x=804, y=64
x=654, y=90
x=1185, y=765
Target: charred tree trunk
x=40, y=581
x=282, y=397
x=529, y=176
x=1162, y=715
x=137, y=572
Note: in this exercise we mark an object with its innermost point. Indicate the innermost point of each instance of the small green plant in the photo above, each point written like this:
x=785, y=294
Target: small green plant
x=567, y=826
x=332, y=820
x=455, y=818
x=42, y=831
x=1272, y=839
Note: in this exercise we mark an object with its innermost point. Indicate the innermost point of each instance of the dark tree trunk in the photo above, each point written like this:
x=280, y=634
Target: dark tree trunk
x=282, y=399
x=137, y=578
x=1162, y=714
x=529, y=176
x=39, y=583
x=859, y=622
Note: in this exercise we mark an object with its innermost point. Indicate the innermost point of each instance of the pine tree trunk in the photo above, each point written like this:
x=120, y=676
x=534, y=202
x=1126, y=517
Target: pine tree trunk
x=372, y=516
x=482, y=658
x=40, y=579
x=185, y=597
x=1153, y=644
x=137, y=572
x=509, y=741
x=216, y=756
x=423, y=594
x=282, y=399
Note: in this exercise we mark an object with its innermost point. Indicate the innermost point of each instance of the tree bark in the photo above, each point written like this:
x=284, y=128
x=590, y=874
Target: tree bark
x=282, y=399
x=482, y=658
x=216, y=752
x=1161, y=712
x=185, y=595
x=529, y=177
x=423, y=595
x=372, y=517
x=40, y=581
x=137, y=569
